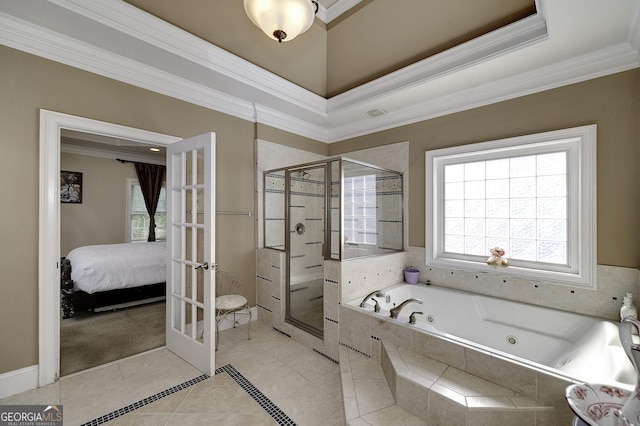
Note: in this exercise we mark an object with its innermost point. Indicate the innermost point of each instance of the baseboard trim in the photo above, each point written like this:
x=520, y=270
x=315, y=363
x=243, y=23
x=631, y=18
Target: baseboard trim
x=25, y=379
x=18, y=381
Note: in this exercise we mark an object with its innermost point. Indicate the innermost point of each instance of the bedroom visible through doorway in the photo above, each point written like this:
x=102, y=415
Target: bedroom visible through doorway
x=100, y=325
x=52, y=125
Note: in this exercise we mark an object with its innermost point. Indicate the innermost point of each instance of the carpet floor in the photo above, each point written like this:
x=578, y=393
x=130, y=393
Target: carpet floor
x=90, y=339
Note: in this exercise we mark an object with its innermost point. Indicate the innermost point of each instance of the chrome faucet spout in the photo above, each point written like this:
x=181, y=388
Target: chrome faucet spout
x=396, y=310
x=376, y=293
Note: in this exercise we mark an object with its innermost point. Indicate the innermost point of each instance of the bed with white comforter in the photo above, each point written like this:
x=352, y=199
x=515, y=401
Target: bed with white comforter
x=116, y=266
x=109, y=276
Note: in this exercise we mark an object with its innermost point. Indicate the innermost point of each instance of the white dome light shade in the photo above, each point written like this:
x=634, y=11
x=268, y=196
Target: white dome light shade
x=282, y=20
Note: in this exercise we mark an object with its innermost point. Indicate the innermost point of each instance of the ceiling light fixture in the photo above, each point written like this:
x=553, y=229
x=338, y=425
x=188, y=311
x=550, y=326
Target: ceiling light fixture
x=283, y=20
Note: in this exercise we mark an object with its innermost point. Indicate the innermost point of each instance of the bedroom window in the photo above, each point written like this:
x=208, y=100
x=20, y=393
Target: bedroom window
x=533, y=196
x=138, y=218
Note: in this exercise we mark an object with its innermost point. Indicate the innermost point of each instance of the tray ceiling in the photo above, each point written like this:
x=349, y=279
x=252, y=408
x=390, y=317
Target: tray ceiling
x=563, y=42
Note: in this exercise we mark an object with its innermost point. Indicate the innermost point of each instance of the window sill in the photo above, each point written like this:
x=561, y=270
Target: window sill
x=584, y=281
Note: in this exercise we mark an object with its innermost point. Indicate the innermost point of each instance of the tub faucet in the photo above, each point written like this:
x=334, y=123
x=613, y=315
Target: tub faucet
x=412, y=317
x=377, y=293
x=396, y=310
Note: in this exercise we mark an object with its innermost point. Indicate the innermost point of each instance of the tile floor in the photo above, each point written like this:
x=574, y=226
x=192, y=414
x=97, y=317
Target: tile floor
x=301, y=383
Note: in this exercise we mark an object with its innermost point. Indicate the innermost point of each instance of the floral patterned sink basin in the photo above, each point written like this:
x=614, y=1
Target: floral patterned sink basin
x=597, y=405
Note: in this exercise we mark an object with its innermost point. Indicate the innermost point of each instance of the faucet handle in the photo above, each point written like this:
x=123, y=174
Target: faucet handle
x=412, y=317
x=376, y=307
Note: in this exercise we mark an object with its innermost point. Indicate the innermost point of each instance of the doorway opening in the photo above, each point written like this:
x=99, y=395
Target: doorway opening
x=52, y=126
x=109, y=312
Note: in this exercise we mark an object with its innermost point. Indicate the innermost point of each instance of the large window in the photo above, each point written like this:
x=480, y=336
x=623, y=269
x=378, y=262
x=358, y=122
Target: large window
x=138, y=218
x=533, y=196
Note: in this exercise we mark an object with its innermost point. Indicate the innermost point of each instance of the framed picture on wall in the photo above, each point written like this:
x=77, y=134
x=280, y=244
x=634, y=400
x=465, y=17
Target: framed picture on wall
x=70, y=187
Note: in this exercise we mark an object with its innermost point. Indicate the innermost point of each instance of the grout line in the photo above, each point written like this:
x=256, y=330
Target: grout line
x=276, y=413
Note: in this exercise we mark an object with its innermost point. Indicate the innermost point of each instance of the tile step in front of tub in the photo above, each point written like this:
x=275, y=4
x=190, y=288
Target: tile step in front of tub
x=366, y=394
x=444, y=395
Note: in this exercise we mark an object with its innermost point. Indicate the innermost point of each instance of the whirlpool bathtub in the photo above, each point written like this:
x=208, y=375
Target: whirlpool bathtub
x=578, y=347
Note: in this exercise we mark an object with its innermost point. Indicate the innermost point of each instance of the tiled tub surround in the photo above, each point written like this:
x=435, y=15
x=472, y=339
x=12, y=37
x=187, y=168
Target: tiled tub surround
x=603, y=302
x=356, y=278
x=575, y=346
x=367, y=334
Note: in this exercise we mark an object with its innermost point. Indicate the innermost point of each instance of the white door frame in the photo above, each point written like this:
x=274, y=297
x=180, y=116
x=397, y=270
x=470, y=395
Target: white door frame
x=51, y=124
x=185, y=337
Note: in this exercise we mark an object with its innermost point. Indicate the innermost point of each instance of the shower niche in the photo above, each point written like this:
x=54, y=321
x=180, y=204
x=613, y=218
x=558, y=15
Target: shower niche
x=336, y=209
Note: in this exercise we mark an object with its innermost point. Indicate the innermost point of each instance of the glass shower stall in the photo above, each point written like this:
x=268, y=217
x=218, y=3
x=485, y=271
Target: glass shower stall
x=337, y=209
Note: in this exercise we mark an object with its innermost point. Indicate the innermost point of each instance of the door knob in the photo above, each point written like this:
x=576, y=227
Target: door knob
x=204, y=265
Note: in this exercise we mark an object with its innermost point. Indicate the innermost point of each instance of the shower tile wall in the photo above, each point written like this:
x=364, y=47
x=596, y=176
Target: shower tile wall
x=274, y=210
x=271, y=265
x=272, y=156
x=307, y=209
x=271, y=282
x=389, y=194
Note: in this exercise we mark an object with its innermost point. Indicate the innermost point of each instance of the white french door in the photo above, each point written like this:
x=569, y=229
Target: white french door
x=191, y=250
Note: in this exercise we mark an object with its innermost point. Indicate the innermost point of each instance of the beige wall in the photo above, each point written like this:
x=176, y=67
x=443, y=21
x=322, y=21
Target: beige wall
x=613, y=103
x=30, y=83
x=101, y=218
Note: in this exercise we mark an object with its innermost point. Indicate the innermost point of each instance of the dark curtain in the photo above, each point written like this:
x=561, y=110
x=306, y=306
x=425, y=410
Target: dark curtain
x=150, y=177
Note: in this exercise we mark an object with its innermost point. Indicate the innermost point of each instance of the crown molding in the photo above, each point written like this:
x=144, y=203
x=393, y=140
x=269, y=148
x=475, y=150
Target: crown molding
x=513, y=37
x=140, y=25
x=634, y=31
x=112, y=155
x=338, y=8
x=48, y=44
x=621, y=57
x=275, y=118
x=213, y=78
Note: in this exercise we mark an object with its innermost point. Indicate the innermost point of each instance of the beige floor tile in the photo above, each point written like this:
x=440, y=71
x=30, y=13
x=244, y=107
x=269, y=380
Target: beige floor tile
x=330, y=382
x=156, y=373
x=46, y=395
x=336, y=419
x=372, y=395
x=256, y=364
x=312, y=365
x=267, y=361
x=214, y=395
x=93, y=394
x=311, y=406
x=363, y=367
x=393, y=415
x=279, y=384
x=242, y=403
x=167, y=405
x=199, y=419
x=245, y=419
x=140, y=419
x=357, y=422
